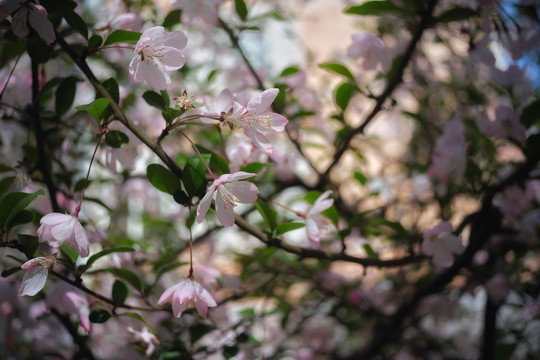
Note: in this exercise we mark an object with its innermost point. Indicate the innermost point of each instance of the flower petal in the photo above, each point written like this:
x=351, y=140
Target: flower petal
x=34, y=280
x=224, y=214
x=244, y=191
x=204, y=205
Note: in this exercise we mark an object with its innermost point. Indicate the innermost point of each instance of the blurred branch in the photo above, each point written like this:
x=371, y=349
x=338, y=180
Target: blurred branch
x=319, y=254
x=394, y=81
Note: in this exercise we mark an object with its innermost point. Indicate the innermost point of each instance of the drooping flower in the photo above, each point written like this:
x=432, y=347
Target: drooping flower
x=440, y=243
x=228, y=193
x=69, y=300
x=157, y=52
x=147, y=339
x=255, y=121
x=35, y=278
x=449, y=159
x=27, y=13
x=315, y=221
x=188, y=293
x=57, y=229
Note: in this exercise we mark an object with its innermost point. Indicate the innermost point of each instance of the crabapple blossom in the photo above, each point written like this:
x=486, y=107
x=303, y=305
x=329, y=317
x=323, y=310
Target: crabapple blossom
x=69, y=300
x=35, y=278
x=315, y=221
x=255, y=121
x=449, y=158
x=157, y=52
x=188, y=293
x=502, y=122
x=371, y=49
x=440, y=243
x=27, y=13
x=228, y=193
x=191, y=10
x=57, y=229
x=146, y=338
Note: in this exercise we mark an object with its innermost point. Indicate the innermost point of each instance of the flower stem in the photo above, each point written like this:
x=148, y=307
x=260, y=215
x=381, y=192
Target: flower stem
x=78, y=208
x=190, y=276
x=302, y=215
x=200, y=155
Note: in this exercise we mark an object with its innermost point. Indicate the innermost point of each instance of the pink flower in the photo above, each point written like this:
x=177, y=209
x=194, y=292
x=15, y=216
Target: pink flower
x=229, y=192
x=191, y=10
x=188, y=293
x=57, y=229
x=35, y=278
x=315, y=221
x=25, y=12
x=147, y=339
x=501, y=123
x=371, y=49
x=69, y=300
x=449, y=159
x=440, y=243
x=497, y=289
x=157, y=52
x=255, y=121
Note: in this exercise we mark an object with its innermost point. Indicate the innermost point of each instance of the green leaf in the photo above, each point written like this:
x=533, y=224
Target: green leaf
x=92, y=259
x=120, y=293
x=29, y=242
x=361, y=178
x=122, y=36
x=166, y=98
x=531, y=114
x=332, y=214
x=23, y=217
x=68, y=253
x=65, y=93
x=286, y=227
x=268, y=214
x=291, y=70
x=6, y=183
x=99, y=316
x=75, y=21
x=154, y=99
x=38, y=50
x=230, y=351
x=95, y=42
x=13, y=203
x=396, y=226
x=181, y=197
x=127, y=275
x=116, y=139
x=504, y=351
x=163, y=179
x=532, y=146
x=343, y=95
x=194, y=175
x=170, y=114
x=457, y=13
x=241, y=9
x=339, y=69
x=254, y=167
x=374, y=8
x=216, y=162
x=140, y=318
x=172, y=19
x=8, y=272
x=111, y=85
x=95, y=108
x=370, y=252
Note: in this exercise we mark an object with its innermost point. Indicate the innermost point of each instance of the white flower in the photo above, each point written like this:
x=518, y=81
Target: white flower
x=35, y=278
x=57, y=229
x=188, y=293
x=440, y=243
x=315, y=221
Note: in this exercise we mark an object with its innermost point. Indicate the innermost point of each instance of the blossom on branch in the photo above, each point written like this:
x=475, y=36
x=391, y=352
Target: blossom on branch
x=27, y=13
x=191, y=10
x=57, y=229
x=157, y=52
x=255, y=121
x=67, y=299
x=315, y=221
x=188, y=293
x=228, y=193
x=440, y=243
x=449, y=159
x=371, y=50
x=35, y=278
x=147, y=339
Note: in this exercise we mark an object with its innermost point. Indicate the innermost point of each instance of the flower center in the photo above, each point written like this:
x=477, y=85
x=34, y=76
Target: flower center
x=228, y=198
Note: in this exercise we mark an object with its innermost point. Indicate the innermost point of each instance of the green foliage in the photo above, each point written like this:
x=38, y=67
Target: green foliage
x=172, y=19
x=99, y=316
x=128, y=276
x=531, y=114
x=194, y=176
x=140, y=318
x=122, y=36
x=339, y=69
x=116, y=138
x=74, y=20
x=241, y=9
x=291, y=70
x=456, y=13
x=120, y=293
x=13, y=204
x=268, y=213
x=95, y=108
x=92, y=259
x=344, y=93
x=154, y=99
x=286, y=227
x=65, y=94
x=375, y=8
x=163, y=179
x=254, y=167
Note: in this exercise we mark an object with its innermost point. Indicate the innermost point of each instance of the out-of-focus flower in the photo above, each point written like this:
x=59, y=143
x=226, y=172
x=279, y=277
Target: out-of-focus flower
x=188, y=293
x=157, y=52
x=69, y=300
x=147, y=339
x=35, y=278
x=371, y=49
x=191, y=10
x=497, y=288
x=449, y=158
x=440, y=243
x=315, y=221
x=502, y=122
x=57, y=229
x=229, y=192
x=27, y=13
x=255, y=121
